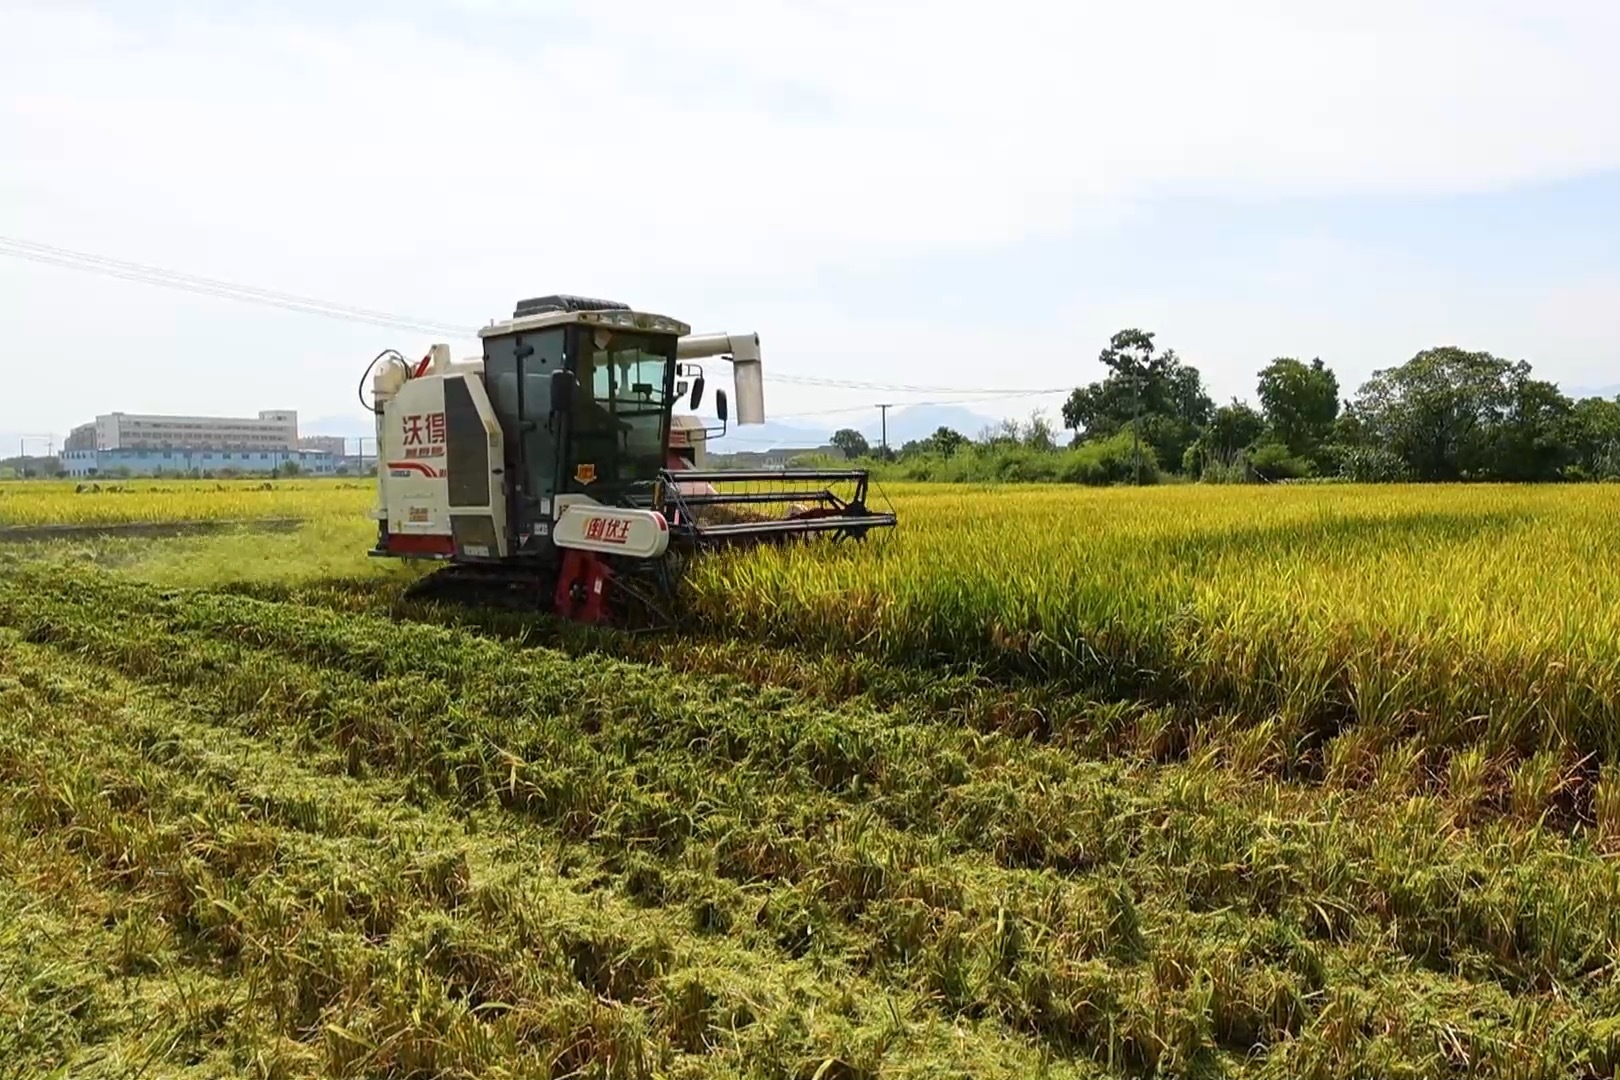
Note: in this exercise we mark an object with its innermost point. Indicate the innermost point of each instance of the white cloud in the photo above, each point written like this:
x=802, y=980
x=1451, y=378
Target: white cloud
x=669, y=151
x=946, y=124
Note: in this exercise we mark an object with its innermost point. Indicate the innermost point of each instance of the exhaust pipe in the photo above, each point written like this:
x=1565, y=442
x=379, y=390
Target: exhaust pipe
x=743, y=352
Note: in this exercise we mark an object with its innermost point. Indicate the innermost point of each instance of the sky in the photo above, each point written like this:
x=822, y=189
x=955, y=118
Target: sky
x=899, y=192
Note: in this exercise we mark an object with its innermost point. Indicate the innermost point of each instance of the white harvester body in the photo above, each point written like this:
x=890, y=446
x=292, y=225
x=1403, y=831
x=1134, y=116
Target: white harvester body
x=554, y=464
x=436, y=504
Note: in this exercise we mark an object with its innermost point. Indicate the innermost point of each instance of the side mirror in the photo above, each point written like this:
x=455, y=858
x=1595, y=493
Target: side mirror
x=563, y=385
x=697, y=391
x=720, y=409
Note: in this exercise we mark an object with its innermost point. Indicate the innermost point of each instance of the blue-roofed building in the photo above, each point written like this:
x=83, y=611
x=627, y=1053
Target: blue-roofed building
x=158, y=461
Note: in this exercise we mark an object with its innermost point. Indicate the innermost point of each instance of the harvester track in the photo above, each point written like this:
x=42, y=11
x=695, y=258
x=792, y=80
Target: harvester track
x=511, y=588
x=642, y=599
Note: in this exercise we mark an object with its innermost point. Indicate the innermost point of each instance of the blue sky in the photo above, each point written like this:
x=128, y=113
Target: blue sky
x=903, y=192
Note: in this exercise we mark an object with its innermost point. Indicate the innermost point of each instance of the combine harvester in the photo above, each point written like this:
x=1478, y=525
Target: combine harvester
x=553, y=471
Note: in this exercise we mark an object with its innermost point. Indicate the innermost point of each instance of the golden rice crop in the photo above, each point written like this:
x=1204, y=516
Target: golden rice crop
x=29, y=503
x=1478, y=613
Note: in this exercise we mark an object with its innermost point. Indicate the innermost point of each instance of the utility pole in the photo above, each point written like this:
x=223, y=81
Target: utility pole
x=22, y=450
x=883, y=409
x=1136, y=424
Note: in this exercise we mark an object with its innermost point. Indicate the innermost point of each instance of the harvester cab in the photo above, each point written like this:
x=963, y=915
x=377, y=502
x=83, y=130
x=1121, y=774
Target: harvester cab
x=553, y=468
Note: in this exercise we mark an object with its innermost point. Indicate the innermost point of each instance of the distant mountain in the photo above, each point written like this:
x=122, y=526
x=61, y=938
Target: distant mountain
x=905, y=424
x=772, y=434
x=921, y=421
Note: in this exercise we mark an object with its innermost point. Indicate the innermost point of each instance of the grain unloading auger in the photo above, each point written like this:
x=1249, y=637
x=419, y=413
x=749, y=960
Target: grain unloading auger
x=553, y=472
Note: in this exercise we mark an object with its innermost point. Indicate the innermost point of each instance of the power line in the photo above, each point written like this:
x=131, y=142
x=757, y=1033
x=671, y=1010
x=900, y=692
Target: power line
x=733, y=439
x=863, y=407
x=24, y=440
x=145, y=274
x=814, y=380
x=173, y=279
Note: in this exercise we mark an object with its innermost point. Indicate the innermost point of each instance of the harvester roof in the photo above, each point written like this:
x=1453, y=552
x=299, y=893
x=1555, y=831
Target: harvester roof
x=559, y=310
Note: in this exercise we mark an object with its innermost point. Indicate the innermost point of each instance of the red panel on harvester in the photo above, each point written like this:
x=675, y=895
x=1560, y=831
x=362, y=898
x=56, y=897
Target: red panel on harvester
x=420, y=544
x=582, y=587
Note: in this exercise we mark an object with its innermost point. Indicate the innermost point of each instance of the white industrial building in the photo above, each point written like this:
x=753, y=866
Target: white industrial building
x=336, y=445
x=273, y=429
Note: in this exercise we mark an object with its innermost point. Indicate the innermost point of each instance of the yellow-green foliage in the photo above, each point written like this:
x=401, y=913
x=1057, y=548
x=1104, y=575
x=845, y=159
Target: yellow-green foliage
x=101, y=502
x=1178, y=782
x=1473, y=612
x=1479, y=615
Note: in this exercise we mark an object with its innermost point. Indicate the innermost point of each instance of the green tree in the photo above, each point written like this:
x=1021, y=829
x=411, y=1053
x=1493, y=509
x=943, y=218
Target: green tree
x=1347, y=438
x=1529, y=441
x=1153, y=395
x=1168, y=436
x=1450, y=414
x=851, y=442
x=1218, y=451
x=1300, y=402
x=1003, y=432
x=1233, y=427
x=1038, y=433
x=1101, y=409
x=945, y=441
x=1436, y=411
x=1182, y=392
x=1591, y=432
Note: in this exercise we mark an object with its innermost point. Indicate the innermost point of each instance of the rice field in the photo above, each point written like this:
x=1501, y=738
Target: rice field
x=1316, y=781
x=1481, y=615
x=119, y=502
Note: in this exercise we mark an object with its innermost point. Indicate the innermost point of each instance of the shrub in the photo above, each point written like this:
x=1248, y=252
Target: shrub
x=1217, y=466
x=1108, y=461
x=1274, y=461
x=1372, y=465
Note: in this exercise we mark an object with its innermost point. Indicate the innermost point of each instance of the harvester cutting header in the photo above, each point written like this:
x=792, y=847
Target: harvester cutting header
x=554, y=468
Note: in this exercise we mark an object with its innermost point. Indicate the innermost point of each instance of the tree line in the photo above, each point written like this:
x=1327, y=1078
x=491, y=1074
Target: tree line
x=1447, y=414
